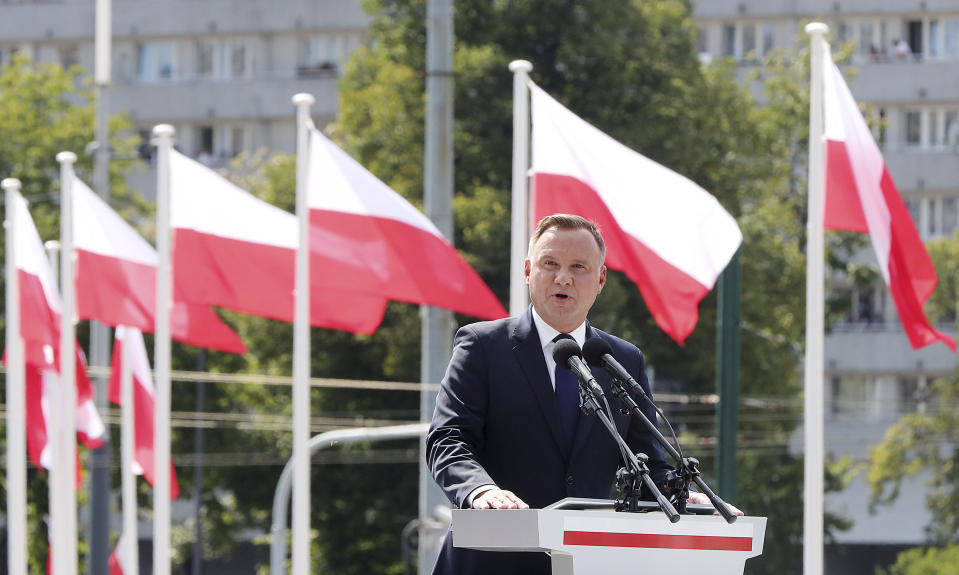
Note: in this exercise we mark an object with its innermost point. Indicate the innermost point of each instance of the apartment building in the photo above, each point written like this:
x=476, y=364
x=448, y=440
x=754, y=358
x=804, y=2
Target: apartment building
x=907, y=62
x=221, y=72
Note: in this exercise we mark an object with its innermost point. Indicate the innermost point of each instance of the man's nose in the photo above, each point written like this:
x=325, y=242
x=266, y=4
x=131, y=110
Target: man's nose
x=564, y=277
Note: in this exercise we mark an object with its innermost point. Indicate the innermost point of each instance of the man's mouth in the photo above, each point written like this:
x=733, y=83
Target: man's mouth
x=561, y=296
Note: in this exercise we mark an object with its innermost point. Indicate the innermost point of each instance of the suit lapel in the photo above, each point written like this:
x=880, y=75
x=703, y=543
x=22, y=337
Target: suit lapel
x=529, y=354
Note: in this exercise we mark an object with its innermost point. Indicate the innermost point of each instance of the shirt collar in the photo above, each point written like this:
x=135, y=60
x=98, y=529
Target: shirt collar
x=547, y=332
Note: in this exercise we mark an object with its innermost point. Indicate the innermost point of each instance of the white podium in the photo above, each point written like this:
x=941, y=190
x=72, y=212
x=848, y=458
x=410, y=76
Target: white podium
x=603, y=542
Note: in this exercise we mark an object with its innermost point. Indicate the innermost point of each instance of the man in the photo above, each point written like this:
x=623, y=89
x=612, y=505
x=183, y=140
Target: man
x=502, y=436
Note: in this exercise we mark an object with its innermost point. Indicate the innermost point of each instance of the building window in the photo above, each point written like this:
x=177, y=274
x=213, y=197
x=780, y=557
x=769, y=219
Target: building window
x=950, y=217
x=204, y=144
x=951, y=128
x=69, y=55
x=749, y=40
x=205, y=57
x=913, y=127
x=915, y=36
x=934, y=38
x=768, y=39
x=866, y=45
x=237, y=143
x=155, y=61
x=319, y=56
x=702, y=40
x=729, y=40
x=934, y=128
x=933, y=216
x=913, y=207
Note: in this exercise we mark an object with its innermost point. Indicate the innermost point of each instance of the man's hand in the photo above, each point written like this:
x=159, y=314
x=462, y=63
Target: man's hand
x=498, y=499
x=697, y=497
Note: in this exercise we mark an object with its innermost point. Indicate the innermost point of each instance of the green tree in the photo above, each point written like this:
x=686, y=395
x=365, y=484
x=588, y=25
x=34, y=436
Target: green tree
x=926, y=440
x=45, y=109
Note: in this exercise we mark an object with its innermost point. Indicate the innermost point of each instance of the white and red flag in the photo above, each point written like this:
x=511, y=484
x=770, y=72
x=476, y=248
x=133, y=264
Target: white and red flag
x=40, y=329
x=366, y=237
x=143, y=404
x=234, y=250
x=118, y=563
x=666, y=233
x=860, y=196
x=115, y=278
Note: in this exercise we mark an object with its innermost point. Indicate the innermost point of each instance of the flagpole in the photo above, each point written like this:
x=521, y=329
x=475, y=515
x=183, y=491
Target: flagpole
x=301, y=347
x=16, y=398
x=163, y=135
x=64, y=512
x=129, y=536
x=519, y=214
x=813, y=373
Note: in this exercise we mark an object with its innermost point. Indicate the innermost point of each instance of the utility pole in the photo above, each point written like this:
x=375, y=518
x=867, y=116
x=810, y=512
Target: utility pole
x=437, y=324
x=99, y=533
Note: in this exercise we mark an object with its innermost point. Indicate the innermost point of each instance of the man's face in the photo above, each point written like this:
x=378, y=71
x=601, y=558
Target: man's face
x=565, y=273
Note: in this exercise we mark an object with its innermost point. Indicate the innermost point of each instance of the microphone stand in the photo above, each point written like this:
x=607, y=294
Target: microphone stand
x=636, y=470
x=688, y=467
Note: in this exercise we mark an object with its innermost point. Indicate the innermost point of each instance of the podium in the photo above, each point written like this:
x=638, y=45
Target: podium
x=588, y=541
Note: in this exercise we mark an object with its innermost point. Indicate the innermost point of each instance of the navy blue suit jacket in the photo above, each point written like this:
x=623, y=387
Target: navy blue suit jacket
x=497, y=422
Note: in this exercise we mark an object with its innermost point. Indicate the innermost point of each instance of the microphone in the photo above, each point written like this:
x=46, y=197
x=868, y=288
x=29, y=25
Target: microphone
x=598, y=353
x=566, y=353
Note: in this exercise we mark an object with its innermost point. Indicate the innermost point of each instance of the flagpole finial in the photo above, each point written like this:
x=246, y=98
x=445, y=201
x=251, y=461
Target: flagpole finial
x=10, y=184
x=161, y=130
x=66, y=158
x=520, y=66
x=303, y=99
x=816, y=28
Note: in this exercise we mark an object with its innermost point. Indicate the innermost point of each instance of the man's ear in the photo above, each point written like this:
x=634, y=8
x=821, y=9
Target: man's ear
x=526, y=270
x=602, y=277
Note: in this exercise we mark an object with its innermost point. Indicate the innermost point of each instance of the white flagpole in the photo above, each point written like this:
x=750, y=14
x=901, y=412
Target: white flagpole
x=813, y=373
x=163, y=134
x=64, y=507
x=16, y=398
x=129, y=537
x=301, y=347
x=519, y=211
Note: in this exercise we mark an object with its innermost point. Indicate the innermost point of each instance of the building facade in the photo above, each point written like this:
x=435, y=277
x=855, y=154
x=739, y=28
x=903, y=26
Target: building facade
x=221, y=72
x=907, y=63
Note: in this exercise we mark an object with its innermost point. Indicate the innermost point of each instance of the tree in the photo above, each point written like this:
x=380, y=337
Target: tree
x=926, y=440
x=45, y=109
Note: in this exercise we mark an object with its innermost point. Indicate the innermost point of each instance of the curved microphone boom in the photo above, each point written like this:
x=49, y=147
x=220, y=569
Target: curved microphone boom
x=598, y=353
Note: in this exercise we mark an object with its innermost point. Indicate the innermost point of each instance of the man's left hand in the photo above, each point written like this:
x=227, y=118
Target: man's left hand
x=697, y=497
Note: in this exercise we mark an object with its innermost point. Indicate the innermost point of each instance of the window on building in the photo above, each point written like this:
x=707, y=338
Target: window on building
x=237, y=143
x=933, y=216
x=913, y=127
x=155, y=61
x=768, y=38
x=749, y=40
x=950, y=216
x=237, y=51
x=702, y=40
x=950, y=45
x=69, y=55
x=934, y=138
x=915, y=36
x=318, y=56
x=913, y=207
x=729, y=40
x=934, y=38
x=866, y=45
x=950, y=127
x=205, y=57
x=864, y=302
x=842, y=34
x=205, y=144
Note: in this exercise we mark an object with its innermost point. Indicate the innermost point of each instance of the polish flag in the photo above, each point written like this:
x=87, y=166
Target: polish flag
x=861, y=197
x=365, y=236
x=667, y=234
x=116, y=278
x=40, y=329
x=234, y=250
x=116, y=563
x=143, y=404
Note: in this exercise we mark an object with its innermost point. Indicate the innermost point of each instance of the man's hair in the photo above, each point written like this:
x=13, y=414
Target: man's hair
x=566, y=222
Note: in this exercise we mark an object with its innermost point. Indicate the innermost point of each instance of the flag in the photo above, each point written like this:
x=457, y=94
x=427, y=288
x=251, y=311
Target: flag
x=40, y=330
x=143, y=453
x=234, y=250
x=365, y=236
x=862, y=197
x=117, y=562
x=116, y=278
x=667, y=234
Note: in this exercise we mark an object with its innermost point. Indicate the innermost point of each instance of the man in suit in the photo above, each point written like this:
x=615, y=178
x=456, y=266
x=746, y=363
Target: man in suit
x=502, y=435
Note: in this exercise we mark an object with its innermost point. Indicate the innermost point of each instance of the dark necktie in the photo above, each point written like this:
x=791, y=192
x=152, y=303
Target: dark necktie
x=567, y=394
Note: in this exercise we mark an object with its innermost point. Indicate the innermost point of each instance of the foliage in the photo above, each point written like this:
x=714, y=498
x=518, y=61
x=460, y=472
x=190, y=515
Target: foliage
x=925, y=561
x=45, y=109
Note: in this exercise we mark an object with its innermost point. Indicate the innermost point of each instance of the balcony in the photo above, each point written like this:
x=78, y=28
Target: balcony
x=883, y=348
x=258, y=99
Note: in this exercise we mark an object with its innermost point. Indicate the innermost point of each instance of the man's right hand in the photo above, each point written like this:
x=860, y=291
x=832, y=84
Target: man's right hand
x=498, y=499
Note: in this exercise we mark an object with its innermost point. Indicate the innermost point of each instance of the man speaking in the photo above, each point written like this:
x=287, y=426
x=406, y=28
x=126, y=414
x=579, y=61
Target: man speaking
x=507, y=432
